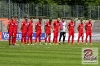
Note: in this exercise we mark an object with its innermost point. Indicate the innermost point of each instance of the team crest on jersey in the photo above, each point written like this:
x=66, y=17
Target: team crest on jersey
x=72, y=25
x=89, y=25
x=32, y=24
x=81, y=27
x=15, y=24
x=26, y=24
x=49, y=25
x=39, y=25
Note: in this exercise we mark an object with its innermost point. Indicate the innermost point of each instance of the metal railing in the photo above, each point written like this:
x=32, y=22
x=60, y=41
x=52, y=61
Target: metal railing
x=1, y=29
x=50, y=11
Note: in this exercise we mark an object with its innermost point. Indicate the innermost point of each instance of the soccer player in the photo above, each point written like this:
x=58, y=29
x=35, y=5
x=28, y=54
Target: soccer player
x=80, y=29
x=62, y=30
x=71, y=30
x=24, y=30
x=38, y=30
x=56, y=28
x=15, y=27
x=30, y=30
x=48, y=31
x=88, y=28
x=10, y=29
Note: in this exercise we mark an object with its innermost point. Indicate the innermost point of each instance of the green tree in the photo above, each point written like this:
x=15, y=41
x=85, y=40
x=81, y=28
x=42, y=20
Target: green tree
x=92, y=2
x=60, y=2
x=34, y=1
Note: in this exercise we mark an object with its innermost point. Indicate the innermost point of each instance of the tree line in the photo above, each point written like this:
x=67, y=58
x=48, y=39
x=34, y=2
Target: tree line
x=61, y=2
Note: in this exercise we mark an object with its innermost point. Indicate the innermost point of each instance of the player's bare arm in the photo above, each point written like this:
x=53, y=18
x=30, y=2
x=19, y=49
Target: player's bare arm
x=8, y=27
x=59, y=28
x=21, y=26
x=45, y=27
x=35, y=27
x=78, y=28
x=68, y=27
x=52, y=27
x=85, y=27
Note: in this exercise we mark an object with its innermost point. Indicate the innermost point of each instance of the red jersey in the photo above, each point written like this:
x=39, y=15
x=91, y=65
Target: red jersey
x=88, y=26
x=10, y=25
x=30, y=26
x=81, y=27
x=24, y=26
x=15, y=25
x=38, y=26
x=71, y=25
x=56, y=26
x=48, y=26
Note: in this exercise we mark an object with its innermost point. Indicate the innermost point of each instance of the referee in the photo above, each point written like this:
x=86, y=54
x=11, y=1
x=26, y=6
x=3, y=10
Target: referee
x=62, y=30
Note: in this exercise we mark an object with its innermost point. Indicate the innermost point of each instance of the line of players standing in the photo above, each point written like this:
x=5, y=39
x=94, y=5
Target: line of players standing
x=57, y=26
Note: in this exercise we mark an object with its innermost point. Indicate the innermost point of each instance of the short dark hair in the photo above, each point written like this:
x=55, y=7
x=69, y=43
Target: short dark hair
x=12, y=17
x=25, y=17
x=50, y=20
x=81, y=20
x=15, y=16
x=31, y=17
x=40, y=18
x=89, y=18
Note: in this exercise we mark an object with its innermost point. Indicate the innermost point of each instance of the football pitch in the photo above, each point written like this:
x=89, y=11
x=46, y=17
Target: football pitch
x=44, y=55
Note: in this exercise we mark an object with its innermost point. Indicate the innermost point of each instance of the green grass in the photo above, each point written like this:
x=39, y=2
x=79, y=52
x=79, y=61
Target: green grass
x=43, y=55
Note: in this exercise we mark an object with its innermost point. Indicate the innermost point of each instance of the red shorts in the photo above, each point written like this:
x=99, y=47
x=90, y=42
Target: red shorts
x=48, y=32
x=71, y=33
x=88, y=33
x=56, y=33
x=30, y=34
x=38, y=33
x=24, y=33
x=80, y=34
